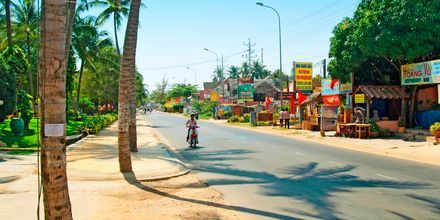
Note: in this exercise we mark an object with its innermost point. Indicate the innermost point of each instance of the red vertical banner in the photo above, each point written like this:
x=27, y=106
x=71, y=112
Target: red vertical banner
x=292, y=104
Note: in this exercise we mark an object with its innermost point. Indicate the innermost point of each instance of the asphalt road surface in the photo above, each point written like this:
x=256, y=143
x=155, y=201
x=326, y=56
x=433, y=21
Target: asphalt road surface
x=271, y=177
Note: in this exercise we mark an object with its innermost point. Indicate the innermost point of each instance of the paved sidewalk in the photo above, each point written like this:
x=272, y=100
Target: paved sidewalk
x=99, y=191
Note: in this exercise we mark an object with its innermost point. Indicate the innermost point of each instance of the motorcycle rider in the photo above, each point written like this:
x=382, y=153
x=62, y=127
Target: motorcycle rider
x=189, y=124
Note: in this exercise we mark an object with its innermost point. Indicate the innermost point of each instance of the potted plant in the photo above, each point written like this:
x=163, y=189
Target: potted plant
x=402, y=126
x=374, y=129
x=435, y=129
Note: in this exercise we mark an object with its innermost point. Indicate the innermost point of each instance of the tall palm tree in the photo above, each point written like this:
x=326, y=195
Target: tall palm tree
x=52, y=69
x=87, y=41
x=245, y=70
x=116, y=8
x=27, y=19
x=126, y=86
x=7, y=4
x=234, y=72
x=258, y=70
x=218, y=75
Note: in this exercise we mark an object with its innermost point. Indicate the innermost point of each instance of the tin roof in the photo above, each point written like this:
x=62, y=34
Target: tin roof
x=382, y=92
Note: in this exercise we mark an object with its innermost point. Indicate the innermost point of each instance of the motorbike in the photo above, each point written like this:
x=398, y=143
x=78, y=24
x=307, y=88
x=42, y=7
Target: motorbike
x=193, y=138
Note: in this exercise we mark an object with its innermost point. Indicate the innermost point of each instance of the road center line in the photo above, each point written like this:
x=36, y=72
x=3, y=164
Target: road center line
x=299, y=153
x=391, y=178
x=333, y=162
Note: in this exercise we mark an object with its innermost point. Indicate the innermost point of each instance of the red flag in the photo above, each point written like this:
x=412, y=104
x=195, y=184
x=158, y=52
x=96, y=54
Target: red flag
x=333, y=83
x=292, y=104
x=301, y=98
x=267, y=102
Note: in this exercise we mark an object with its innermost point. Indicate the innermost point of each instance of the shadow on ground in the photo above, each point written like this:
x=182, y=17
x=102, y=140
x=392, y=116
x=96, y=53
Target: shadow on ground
x=433, y=203
x=306, y=182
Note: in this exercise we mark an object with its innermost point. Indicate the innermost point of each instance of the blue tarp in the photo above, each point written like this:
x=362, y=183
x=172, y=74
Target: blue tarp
x=426, y=118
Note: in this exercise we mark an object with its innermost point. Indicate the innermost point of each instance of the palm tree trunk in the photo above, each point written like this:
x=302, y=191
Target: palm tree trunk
x=8, y=21
x=116, y=35
x=127, y=71
x=132, y=126
x=78, y=91
x=52, y=69
x=31, y=78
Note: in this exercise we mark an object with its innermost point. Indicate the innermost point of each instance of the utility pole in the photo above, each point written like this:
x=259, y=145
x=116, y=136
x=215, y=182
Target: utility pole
x=222, y=79
x=262, y=60
x=324, y=66
x=250, y=53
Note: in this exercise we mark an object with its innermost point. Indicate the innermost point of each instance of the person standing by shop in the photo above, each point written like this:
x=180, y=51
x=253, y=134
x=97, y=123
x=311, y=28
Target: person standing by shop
x=281, y=117
x=286, y=118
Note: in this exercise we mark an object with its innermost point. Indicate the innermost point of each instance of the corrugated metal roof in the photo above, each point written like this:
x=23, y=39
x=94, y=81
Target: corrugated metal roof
x=382, y=92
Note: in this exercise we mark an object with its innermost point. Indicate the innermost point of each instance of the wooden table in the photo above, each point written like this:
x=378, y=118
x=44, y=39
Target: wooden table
x=348, y=130
x=363, y=128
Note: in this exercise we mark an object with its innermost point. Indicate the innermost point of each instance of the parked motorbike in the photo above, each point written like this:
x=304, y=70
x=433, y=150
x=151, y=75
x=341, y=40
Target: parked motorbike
x=193, y=139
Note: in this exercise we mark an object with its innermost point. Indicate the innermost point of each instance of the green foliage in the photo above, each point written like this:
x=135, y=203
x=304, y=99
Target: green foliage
x=383, y=35
x=204, y=106
x=27, y=140
x=95, y=123
x=233, y=119
x=178, y=107
x=374, y=127
x=141, y=90
x=14, y=59
x=258, y=70
x=24, y=106
x=247, y=117
x=87, y=106
x=434, y=127
x=8, y=91
x=234, y=72
x=181, y=90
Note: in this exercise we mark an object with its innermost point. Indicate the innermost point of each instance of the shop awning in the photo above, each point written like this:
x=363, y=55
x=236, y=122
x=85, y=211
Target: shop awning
x=382, y=92
x=312, y=97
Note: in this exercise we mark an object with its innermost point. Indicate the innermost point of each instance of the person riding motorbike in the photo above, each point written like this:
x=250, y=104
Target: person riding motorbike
x=192, y=122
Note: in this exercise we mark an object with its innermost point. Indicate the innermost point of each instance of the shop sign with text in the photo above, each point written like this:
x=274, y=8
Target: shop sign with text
x=421, y=73
x=303, y=76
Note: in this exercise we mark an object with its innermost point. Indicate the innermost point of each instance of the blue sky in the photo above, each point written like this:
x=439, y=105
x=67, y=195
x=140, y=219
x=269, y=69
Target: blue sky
x=173, y=33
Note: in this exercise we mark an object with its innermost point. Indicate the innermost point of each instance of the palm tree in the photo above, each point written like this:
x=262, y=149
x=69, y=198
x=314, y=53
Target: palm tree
x=258, y=70
x=234, y=72
x=126, y=86
x=7, y=4
x=245, y=70
x=27, y=18
x=87, y=41
x=218, y=75
x=52, y=67
x=116, y=8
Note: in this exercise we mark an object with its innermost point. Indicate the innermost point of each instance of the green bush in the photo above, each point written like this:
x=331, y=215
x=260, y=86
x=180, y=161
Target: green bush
x=24, y=106
x=233, y=119
x=87, y=106
x=247, y=117
x=97, y=122
x=434, y=127
x=241, y=119
x=374, y=126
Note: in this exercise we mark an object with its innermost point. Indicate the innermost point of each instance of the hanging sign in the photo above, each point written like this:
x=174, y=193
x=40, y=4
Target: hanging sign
x=214, y=96
x=359, y=98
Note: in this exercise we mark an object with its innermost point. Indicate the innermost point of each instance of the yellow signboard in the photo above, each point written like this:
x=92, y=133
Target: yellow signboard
x=303, y=76
x=359, y=98
x=214, y=96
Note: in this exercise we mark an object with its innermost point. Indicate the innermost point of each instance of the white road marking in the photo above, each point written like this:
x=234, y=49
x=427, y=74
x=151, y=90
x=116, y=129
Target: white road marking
x=391, y=178
x=333, y=162
x=300, y=153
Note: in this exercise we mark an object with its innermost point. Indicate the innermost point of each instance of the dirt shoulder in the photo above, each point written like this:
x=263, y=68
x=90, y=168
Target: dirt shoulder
x=397, y=148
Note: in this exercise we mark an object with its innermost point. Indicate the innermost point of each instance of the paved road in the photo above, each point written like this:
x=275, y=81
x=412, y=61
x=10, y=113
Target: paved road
x=272, y=177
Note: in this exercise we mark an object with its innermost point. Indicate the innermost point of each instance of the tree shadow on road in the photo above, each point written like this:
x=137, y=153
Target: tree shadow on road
x=130, y=177
x=221, y=155
x=306, y=183
x=433, y=203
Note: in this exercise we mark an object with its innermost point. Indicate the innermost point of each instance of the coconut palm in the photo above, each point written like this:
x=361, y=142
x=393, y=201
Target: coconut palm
x=87, y=41
x=218, y=75
x=52, y=67
x=234, y=72
x=27, y=19
x=245, y=70
x=258, y=70
x=7, y=7
x=126, y=87
x=116, y=8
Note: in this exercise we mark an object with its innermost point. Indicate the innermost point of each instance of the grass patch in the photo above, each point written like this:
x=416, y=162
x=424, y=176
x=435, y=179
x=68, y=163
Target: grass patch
x=29, y=138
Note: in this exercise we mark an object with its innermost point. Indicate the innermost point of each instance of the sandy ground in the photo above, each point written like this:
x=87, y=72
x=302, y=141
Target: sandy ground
x=98, y=191
x=409, y=150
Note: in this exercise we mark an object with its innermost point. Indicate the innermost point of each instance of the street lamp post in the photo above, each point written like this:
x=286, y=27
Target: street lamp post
x=195, y=74
x=279, y=33
x=222, y=80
